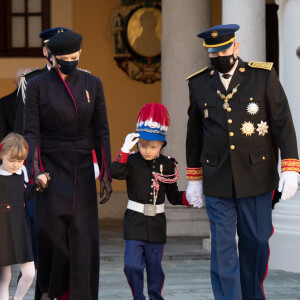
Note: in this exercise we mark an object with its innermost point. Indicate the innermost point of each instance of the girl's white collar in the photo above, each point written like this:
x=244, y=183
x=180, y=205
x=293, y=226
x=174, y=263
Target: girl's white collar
x=7, y=173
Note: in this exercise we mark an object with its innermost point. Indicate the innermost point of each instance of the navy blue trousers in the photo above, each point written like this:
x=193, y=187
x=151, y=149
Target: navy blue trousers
x=138, y=256
x=239, y=275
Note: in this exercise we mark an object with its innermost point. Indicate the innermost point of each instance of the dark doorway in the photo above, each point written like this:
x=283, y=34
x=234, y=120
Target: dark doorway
x=272, y=41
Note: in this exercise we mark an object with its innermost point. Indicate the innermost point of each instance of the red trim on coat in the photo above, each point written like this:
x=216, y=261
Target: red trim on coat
x=66, y=295
x=102, y=168
x=184, y=200
x=74, y=197
x=40, y=159
x=122, y=157
x=94, y=156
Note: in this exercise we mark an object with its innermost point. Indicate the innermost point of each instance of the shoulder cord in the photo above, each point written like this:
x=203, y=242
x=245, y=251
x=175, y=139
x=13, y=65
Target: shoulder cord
x=164, y=179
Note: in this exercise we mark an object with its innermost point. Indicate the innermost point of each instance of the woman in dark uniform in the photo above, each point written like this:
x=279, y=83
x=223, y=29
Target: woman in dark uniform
x=62, y=107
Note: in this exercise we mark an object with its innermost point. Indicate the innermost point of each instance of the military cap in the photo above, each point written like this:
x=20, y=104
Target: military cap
x=66, y=42
x=49, y=33
x=219, y=38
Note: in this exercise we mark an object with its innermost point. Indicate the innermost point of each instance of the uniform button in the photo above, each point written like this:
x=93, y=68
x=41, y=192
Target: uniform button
x=7, y=206
x=232, y=147
x=152, y=186
x=229, y=121
x=153, y=167
x=251, y=99
x=207, y=161
x=263, y=158
x=205, y=104
x=150, y=200
x=153, y=172
x=231, y=133
x=154, y=161
x=151, y=193
x=229, y=109
x=152, y=179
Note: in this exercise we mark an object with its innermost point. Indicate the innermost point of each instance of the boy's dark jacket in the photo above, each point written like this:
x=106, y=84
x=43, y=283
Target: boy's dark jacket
x=139, y=176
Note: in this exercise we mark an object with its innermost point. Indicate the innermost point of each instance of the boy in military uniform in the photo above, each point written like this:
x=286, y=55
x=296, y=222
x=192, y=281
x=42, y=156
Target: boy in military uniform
x=149, y=176
x=235, y=108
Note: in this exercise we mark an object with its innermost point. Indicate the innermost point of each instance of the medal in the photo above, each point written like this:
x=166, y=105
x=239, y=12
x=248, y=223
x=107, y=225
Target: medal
x=262, y=128
x=226, y=105
x=252, y=108
x=248, y=128
x=227, y=97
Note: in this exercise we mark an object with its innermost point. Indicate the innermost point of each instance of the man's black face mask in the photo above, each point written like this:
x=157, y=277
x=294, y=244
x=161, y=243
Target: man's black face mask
x=223, y=63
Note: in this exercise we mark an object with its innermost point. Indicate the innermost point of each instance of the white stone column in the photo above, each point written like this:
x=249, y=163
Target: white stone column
x=182, y=55
x=285, y=242
x=250, y=15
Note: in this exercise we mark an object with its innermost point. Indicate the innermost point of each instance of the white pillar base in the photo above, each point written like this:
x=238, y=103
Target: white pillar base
x=285, y=242
x=186, y=222
x=206, y=244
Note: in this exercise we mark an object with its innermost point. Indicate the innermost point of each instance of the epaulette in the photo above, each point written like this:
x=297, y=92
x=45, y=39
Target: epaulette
x=87, y=71
x=30, y=71
x=199, y=72
x=261, y=65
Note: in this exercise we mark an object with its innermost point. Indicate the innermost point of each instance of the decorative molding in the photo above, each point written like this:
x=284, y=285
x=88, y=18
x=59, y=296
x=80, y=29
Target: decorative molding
x=135, y=32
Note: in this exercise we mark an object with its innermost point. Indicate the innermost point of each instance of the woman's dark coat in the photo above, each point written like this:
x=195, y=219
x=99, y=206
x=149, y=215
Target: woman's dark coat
x=67, y=213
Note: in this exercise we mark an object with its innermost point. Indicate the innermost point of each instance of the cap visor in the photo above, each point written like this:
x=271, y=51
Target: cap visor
x=218, y=49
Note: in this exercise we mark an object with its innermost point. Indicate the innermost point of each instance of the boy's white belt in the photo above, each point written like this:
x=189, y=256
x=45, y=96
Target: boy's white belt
x=146, y=209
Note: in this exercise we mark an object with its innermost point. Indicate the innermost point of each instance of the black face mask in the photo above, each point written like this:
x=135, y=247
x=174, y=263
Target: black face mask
x=66, y=67
x=49, y=58
x=223, y=63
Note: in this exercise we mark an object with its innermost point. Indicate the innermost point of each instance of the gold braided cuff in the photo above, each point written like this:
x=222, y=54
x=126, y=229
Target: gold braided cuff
x=194, y=174
x=290, y=164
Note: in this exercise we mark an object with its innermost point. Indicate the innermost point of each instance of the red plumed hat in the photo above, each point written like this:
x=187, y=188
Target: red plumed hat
x=153, y=122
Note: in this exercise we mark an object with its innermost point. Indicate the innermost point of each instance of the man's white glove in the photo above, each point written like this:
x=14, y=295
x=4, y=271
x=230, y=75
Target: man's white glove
x=288, y=184
x=194, y=193
x=130, y=140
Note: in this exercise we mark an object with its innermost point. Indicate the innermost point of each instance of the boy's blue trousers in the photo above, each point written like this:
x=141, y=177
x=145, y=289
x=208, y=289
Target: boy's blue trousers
x=138, y=256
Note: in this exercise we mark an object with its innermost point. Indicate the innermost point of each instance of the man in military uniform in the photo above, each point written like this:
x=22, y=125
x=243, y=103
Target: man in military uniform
x=235, y=109
x=8, y=106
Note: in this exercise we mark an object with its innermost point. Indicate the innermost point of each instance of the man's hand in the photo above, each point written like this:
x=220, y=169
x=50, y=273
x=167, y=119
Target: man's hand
x=194, y=193
x=288, y=184
x=130, y=140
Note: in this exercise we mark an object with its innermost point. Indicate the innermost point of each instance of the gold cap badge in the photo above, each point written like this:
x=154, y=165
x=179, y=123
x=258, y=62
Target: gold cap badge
x=214, y=34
